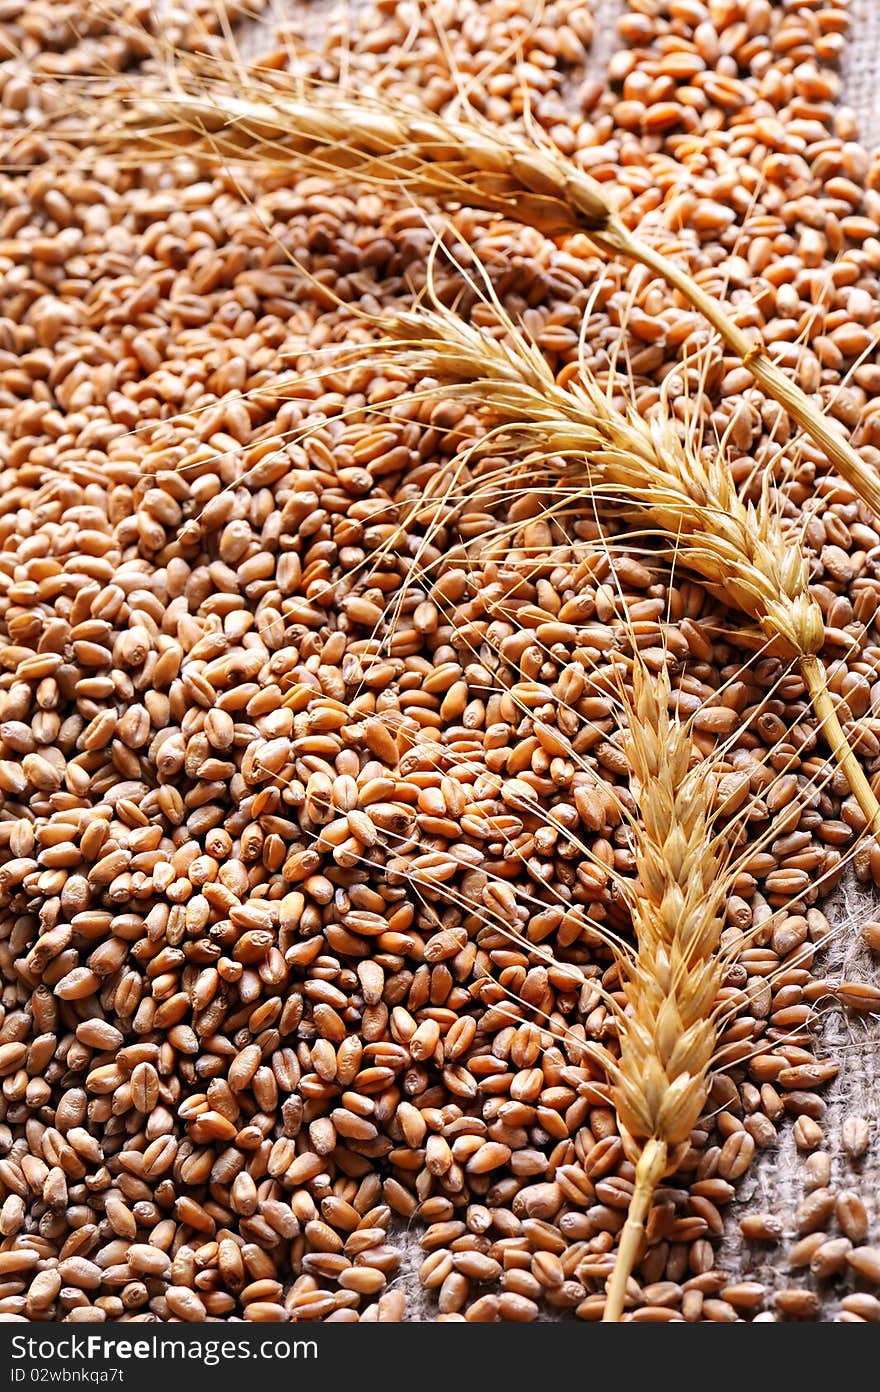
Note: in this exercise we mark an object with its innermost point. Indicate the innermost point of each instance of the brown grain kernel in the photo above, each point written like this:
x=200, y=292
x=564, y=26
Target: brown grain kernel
x=867, y=1307
x=830, y=1258
x=761, y=1227
x=797, y=1304
x=852, y=1216
x=807, y=1133
x=736, y=1155
x=855, y=1135
x=815, y=1210
x=865, y=1261
x=860, y=996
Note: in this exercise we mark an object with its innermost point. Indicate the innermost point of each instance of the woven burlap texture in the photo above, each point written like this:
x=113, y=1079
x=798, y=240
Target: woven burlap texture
x=861, y=69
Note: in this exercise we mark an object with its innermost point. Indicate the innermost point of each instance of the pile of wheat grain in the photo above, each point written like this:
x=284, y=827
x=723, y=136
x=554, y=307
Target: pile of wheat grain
x=321, y=813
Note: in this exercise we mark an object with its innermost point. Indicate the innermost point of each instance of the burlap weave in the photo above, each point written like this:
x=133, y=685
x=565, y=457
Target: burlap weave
x=861, y=69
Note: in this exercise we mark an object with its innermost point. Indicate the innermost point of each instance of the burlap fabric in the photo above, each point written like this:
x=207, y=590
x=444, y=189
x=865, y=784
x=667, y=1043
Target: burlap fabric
x=861, y=69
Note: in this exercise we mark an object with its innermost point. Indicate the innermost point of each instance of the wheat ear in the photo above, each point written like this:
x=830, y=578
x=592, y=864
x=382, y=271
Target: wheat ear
x=670, y=1033
x=653, y=478
x=326, y=130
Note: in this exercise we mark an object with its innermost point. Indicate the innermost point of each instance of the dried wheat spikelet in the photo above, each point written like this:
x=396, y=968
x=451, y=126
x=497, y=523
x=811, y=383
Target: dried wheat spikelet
x=225, y=114
x=669, y=1035
x=654, y=479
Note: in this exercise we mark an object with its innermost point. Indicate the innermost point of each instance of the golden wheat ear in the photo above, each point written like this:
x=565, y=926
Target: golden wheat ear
x=648, y=475
x=226, y=114
x=669, y=1034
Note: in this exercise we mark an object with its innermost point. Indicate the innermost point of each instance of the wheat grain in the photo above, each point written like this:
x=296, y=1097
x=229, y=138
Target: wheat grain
x=241, y=582
x=225, y=115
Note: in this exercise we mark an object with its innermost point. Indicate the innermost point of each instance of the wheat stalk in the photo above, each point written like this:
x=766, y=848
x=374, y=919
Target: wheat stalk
x=684, y=871
x=326, y=130
x=739, y=550
x=669, y=1034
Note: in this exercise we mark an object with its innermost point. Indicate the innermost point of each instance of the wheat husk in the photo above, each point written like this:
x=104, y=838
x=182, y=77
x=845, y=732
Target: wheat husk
x=227, y=115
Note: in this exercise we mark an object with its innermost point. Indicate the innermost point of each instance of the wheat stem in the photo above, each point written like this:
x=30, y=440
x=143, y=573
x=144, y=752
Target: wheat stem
x=815, y=679
x=650, y=1170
